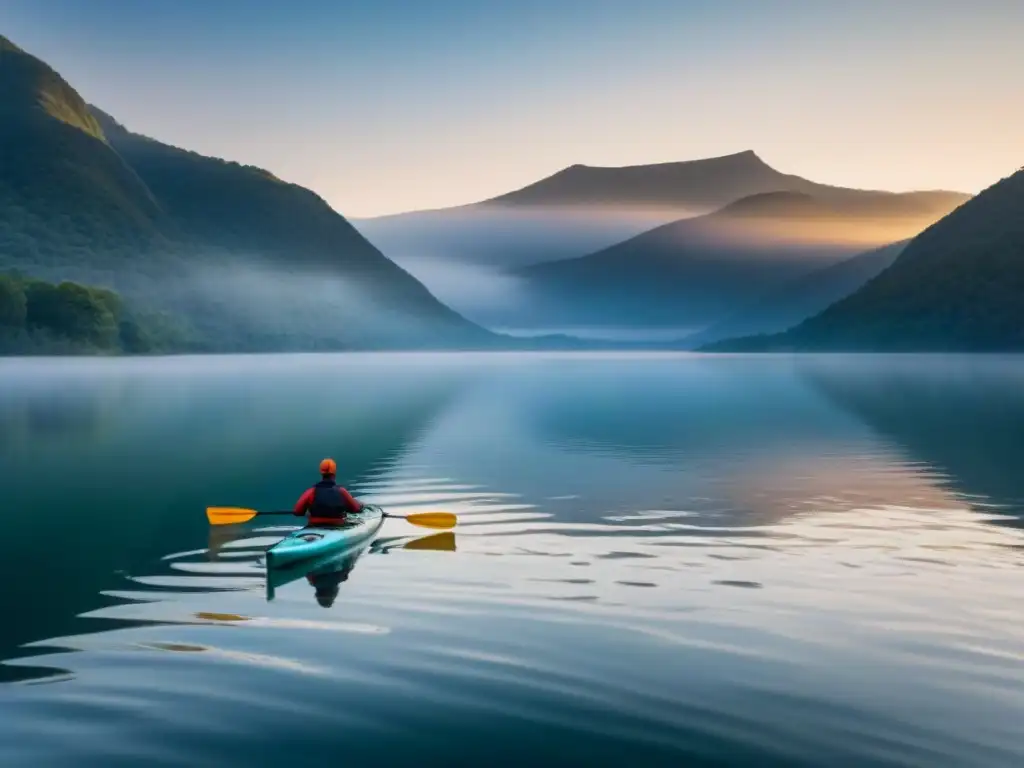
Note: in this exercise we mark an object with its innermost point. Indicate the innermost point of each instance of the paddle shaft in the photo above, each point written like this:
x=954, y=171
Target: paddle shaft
x=290, y=512
x=230, y=515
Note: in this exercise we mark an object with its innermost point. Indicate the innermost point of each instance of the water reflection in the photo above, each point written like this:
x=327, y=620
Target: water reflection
x=961, y=416
x=592, y=444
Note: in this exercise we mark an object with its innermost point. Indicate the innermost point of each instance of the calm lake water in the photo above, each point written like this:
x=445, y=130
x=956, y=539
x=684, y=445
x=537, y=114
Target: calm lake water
x=661, y=560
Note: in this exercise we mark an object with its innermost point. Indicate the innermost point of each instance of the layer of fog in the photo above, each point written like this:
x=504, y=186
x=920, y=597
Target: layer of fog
x=464, y=255
x=307, y=307
x=506, y=238
x=481, y=294
x=623, y=334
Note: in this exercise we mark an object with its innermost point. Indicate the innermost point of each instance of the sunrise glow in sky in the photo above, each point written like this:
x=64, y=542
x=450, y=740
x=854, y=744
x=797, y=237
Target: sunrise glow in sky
x=382, y=106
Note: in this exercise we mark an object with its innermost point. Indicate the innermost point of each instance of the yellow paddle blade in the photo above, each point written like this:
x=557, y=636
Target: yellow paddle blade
x=229, y=515
x=433, y=519
x=438, y=542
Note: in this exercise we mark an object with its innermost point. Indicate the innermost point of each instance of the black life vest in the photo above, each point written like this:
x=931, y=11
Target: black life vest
x=328, y=502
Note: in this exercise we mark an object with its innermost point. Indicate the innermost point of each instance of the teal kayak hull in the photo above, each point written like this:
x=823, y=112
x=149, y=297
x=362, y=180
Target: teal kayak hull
x=309, y=543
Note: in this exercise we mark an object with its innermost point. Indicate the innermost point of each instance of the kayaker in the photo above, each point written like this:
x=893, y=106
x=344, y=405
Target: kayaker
x=327, y=503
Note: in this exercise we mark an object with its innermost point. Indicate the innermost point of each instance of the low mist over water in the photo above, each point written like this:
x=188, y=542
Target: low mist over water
x=660, y=560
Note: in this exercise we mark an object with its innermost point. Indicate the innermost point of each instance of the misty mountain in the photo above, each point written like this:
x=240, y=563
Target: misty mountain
x=251, y=261
x=694, y=185
x=695, y=272
x=802, y=298
x=463, y=253
x=575, y=211
x=959, y=285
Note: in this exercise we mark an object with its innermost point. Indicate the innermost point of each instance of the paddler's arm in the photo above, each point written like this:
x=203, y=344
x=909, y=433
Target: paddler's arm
x=351, y=501
x=303, y=503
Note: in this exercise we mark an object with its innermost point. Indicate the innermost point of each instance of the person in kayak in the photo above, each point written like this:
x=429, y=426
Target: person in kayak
x=327, y=503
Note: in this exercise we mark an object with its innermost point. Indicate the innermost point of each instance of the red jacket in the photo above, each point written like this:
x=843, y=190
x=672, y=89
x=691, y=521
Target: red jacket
x=306, y=499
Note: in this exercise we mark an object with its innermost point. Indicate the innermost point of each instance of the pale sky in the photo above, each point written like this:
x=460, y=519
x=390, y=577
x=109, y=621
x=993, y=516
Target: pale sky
x=383, y=106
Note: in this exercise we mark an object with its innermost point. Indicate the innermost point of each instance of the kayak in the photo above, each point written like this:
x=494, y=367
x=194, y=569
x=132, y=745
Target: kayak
x=308, y=543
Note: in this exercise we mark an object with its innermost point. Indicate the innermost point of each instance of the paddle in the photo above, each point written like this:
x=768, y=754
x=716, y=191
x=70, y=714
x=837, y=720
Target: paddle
x=232, y=515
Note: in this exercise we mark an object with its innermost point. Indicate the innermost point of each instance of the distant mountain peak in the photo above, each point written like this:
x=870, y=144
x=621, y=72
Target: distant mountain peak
x=746, y=158
x=693, y=185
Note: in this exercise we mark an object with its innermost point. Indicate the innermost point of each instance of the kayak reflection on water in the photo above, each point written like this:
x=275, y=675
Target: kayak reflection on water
x=324, y=574
x=328, y=574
